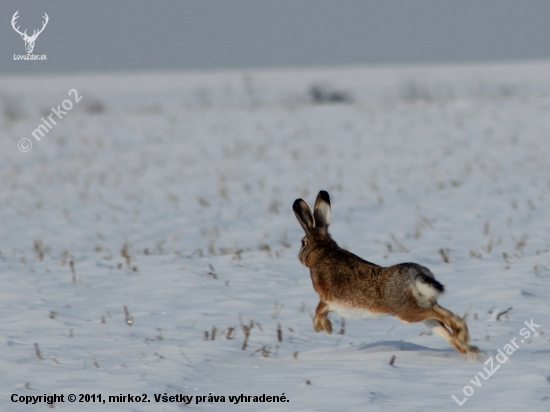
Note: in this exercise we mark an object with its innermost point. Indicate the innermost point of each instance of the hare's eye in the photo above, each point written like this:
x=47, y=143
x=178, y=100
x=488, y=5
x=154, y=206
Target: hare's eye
x=304, y=242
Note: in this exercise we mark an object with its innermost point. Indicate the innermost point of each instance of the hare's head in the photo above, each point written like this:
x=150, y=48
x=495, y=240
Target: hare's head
x=314, y=224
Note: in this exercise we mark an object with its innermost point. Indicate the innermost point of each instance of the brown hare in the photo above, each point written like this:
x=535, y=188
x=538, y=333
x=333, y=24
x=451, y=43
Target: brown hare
x=353, y=287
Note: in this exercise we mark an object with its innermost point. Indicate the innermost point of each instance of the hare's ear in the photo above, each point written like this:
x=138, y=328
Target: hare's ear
x=303, y=214
x=321, y=211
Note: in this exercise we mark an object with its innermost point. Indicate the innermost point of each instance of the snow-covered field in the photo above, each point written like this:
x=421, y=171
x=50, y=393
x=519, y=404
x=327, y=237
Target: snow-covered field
x=170, y=195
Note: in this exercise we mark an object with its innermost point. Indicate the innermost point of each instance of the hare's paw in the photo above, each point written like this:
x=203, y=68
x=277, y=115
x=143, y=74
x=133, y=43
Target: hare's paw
x=327, y=325
x=318, y=325
x=321, y=323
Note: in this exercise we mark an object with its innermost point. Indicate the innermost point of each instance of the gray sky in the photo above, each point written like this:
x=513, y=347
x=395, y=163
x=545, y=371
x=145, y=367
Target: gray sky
x=137, y=35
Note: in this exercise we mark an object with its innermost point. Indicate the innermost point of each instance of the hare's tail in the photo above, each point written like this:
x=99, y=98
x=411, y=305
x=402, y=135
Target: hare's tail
x=426, y=289
x=428, y=286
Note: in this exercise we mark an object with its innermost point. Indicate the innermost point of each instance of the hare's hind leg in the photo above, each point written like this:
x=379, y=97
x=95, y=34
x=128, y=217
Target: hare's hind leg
x=440, y=328
x=320, y=321
x=459, y=338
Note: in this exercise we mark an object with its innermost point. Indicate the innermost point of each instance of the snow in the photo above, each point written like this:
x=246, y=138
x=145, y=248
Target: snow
x=171, y=194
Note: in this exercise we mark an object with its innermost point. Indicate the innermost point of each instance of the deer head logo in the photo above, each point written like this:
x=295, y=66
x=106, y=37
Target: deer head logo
x=29, y=40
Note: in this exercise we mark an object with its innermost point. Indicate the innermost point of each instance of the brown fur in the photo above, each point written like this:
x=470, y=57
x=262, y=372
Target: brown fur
x=341, y=277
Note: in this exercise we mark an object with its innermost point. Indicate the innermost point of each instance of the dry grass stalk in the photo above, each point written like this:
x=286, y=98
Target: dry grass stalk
x=342, y=327
x=64, y=258
x=265, y=350
x=400, y=247
x=37, y=351
x=266, y=248
x=504, y=312
x=73, y=271
x=246, y=329
x=185, y=356
x=39, y=249
x=203, y=202
x=445, y=254
x=425, y=221
x=129, y=318
x=521, y=243
x=238, y=254
x=229, y=333
x=474, y=254
x=126, y=255
x=211, y=272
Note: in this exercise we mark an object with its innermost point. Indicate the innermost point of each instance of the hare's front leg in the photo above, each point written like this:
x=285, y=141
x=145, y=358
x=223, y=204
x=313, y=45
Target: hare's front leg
x=320, y=321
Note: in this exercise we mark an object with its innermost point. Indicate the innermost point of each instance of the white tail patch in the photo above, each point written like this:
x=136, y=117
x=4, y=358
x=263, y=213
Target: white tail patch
x=424, y=293
x=353, y=313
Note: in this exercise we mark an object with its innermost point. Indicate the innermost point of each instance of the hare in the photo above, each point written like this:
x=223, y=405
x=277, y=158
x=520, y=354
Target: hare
x=353, y=287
